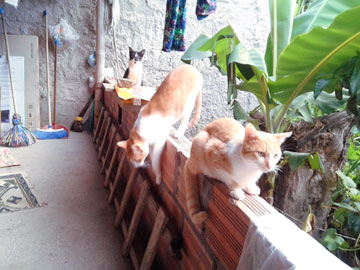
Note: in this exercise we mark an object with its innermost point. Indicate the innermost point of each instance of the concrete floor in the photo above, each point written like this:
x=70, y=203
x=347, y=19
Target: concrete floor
x=75, y=229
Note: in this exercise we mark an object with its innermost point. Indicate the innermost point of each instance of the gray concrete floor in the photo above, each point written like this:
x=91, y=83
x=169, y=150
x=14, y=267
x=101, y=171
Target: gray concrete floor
x=74, y=230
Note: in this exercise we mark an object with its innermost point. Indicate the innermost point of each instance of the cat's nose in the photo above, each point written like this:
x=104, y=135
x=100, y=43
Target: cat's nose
x=268, y=165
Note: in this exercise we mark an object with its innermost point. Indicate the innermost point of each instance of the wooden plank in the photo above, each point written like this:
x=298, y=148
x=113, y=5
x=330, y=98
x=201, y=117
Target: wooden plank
x=152, y=246
x=125, y=199
x=144, y=193
x=102, y=130
x=105, y=159
x=116, y=181
x=133, y=257
x=97, y=129
x=102, y=145
x=109, y=171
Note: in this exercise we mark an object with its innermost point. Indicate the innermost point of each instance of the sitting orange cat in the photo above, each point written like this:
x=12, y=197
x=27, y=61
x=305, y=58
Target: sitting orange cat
x=173, y=101
x=235, y=155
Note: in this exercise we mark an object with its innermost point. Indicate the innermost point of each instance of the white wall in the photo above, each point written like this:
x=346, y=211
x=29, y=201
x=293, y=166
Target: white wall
x=141, y=27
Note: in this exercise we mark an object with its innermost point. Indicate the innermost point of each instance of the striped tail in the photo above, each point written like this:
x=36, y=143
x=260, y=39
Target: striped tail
x=197, y=113
x=192, y=196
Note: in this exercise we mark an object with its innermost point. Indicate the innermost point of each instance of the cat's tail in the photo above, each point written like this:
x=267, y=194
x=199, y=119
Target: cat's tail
x=197, y=113
x=192, y=196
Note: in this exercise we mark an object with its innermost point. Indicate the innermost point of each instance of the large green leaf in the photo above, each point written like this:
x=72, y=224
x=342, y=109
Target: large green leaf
x=331, y=240
x=281, y=20
x=193, y=51
x=249, y=62
x=321, y=50
x=320, y=13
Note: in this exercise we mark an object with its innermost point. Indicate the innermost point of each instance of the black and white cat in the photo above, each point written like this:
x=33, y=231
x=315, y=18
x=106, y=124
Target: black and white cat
x=135, y=69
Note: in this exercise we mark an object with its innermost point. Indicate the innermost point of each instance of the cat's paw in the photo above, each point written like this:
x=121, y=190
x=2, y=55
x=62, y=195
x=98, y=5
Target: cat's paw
x=237, y=194
x=253, y=190
x=199, y=217
x=158, y=179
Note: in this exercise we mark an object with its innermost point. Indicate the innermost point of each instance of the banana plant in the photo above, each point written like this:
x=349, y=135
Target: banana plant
x=299, y=49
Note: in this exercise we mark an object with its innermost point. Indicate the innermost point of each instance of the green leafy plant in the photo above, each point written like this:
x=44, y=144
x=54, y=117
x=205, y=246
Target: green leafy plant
x=299, y=48
x=343, y=234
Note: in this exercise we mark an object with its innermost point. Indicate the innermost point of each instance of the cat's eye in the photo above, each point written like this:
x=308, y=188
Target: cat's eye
x=261, y=154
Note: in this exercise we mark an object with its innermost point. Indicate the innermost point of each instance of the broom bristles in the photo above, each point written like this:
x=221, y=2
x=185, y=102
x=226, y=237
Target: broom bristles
x=18, y=135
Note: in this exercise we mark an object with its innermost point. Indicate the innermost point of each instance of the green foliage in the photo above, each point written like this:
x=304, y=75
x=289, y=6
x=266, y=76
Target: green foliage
x=297, y=160
x=300, y=48
x=343, y=234
x=345, y=83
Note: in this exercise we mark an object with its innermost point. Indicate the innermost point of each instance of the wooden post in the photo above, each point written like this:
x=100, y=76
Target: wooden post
x=117, y=178
x=108, y=149
x=97, y=129
x=112, y=162
x=151, y=248
x=102, y=144
x=144, y=193
x=125, y=199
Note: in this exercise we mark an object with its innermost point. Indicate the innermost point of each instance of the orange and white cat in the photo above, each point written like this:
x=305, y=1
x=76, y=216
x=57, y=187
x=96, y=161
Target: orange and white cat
x=173, y=101
x=235, y=155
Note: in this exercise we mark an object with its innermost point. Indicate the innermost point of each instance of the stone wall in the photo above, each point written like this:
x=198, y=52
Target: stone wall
x=141, y=26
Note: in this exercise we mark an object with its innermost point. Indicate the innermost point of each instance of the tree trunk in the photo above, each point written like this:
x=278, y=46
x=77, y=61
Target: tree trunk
x=296, y=190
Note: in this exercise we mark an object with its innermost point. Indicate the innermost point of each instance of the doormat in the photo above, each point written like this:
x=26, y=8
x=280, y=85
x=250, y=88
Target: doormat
x=6, y=159
x=15, y=194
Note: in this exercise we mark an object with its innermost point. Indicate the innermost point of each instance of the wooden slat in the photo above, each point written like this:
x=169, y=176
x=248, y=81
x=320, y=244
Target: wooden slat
x=116, y=181
x=132, y=251
x=108, y=151
x=125, y=199
x=98, y=124
x=109, y=170
x=102, y=130
x=144, y=193
x=152, y=246
x=102, y=145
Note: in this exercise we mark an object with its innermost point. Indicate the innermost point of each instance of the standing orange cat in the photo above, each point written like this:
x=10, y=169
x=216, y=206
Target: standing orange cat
x=235, y=155
x=173, y=101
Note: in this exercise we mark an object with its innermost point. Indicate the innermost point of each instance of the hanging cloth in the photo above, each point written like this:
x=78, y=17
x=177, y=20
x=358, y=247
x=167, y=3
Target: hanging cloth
x=204, y=8
x=175, y=22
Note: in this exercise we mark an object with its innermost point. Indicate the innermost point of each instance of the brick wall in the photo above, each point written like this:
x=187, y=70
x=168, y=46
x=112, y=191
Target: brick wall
x=216, y=245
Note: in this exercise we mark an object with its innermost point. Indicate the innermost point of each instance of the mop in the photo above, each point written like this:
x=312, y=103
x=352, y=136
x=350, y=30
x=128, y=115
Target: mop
x=47, y=132
x=18, y=135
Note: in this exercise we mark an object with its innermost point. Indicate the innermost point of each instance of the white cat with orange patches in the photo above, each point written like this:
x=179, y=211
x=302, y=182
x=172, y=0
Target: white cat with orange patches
x=235, y=155
x=173, y=101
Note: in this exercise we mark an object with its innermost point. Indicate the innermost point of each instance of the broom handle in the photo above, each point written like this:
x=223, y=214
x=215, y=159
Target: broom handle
x=8, y=57
x=47, y=65
x=55, y=64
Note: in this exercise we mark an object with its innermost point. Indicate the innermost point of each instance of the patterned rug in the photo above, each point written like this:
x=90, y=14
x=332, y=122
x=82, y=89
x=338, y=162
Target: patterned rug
x=15, y=194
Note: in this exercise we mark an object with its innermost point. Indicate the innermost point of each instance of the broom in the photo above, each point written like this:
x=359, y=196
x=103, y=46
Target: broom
x=18, y=135
x=47, y=132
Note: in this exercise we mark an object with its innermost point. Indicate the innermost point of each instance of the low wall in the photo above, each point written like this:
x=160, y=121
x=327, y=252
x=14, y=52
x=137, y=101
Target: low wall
x=216, y=245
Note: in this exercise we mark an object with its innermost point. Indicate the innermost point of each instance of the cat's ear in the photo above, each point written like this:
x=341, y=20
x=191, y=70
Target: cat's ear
x=122, y=144
x=136, y=149
x=142, y=53
x=130, y=50
x=281, y=137
x=251, y=134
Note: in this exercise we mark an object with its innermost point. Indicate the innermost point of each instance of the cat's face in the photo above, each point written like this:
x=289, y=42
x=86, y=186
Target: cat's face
x=263, y=149
x=136, y=149
x=136, y=56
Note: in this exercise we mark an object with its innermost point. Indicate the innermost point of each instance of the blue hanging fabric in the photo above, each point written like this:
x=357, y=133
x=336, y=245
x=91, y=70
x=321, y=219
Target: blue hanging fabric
x=175, y=22
x=204, y=8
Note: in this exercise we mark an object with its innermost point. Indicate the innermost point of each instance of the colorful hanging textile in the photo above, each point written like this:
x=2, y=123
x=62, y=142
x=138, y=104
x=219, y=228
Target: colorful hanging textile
x=204, y=8
x=175, y=22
